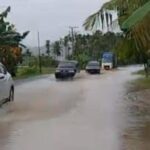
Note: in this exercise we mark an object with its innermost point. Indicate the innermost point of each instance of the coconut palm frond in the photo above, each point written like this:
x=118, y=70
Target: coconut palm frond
x=97, y=19
x=136, y=17
x=22, y=45
x=123, y=7
x=5, y=13
x=141, y=33
x=91, y=21
x=25, y=34
x=111, y=5
x=138, y=26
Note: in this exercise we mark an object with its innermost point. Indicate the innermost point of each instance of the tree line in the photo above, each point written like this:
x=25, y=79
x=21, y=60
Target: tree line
x=133, y=19
x=85, y=47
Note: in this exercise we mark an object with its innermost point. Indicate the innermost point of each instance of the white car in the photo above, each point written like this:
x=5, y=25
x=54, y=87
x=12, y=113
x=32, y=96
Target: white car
x=6, y=85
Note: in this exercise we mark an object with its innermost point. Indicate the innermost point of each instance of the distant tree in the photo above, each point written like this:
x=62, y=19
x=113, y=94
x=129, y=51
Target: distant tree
x=91, y=47
x=57, y=48
x=28, y=52
x=48, y=47
x=67, y=40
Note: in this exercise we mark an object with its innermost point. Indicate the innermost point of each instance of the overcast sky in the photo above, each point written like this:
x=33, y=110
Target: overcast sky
x=50, y=17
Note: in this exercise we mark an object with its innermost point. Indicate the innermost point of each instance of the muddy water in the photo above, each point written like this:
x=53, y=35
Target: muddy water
x=88, y=113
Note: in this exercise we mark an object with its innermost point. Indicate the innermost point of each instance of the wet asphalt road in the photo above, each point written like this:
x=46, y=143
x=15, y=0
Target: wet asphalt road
x=86, y=113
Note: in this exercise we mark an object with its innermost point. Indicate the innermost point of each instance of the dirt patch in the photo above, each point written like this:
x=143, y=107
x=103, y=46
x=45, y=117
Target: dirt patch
x=137, y=135
x=140, y=101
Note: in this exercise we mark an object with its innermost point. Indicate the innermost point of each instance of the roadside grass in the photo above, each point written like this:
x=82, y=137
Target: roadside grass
x=27, y=72
x=141, y=72
x=141, y=83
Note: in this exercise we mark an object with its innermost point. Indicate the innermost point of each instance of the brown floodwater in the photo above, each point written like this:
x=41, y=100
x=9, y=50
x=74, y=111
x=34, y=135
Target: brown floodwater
x=87, y=113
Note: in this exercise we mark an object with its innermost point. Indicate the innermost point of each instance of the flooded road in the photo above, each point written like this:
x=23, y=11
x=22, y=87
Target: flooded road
x=87, y=113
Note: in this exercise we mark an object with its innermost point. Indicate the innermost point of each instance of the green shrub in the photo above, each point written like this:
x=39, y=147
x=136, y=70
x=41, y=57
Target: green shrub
x=48, y=61
x=26, y=71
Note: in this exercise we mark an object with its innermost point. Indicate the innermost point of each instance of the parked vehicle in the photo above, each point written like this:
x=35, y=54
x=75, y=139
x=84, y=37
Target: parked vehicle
x=109, y=60
x=6, y=85
x=66, y=69
x=93, y=67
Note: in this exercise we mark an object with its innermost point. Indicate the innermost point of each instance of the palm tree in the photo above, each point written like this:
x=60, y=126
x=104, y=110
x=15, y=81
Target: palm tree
x=47, y=47
x=133, y=18
x=57, y=48
x=124, y=9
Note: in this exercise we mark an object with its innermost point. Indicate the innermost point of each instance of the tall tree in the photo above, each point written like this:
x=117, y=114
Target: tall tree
x=57, y=48
x=48, y=47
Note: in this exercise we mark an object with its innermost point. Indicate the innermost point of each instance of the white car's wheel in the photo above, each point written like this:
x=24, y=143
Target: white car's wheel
x=11, y=95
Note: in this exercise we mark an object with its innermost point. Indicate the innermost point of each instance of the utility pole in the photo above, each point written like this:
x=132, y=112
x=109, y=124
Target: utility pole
x=40, y=65
x=73, y=36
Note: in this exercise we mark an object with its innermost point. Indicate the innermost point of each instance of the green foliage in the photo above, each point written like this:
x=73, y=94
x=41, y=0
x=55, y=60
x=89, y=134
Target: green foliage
x=30, y=66
x=33, y=61
x=82, y=59
x=134, y=19
x=48, y=61
x=141, y=84
x=90, y=47
x=127, y=52
x=26, y=71
x=9, y=40
x=48, y=47
x=124, y=8
x=57, y=48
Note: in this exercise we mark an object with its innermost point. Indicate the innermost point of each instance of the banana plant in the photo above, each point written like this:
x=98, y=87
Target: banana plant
x=10, y=41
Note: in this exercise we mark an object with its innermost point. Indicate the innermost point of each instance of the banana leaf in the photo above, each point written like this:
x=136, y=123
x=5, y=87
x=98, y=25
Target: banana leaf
x=136, y=17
